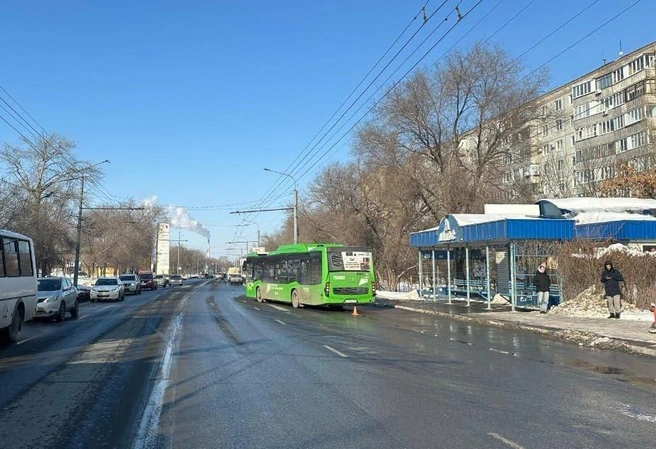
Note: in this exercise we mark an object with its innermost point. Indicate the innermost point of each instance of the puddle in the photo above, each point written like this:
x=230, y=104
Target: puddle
x=621, y=374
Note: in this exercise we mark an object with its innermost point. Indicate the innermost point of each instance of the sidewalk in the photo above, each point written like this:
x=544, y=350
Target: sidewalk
x=628, y=335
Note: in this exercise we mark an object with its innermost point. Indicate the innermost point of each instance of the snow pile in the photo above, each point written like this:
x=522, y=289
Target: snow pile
x=619, y=248
x=592, y=304
x=412, y=294
x=616, y=248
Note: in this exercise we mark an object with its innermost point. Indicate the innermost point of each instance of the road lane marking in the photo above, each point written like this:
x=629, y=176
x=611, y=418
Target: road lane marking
x=506, y=440
x=341, y=354
x=27, y=339
x=148, y=427
x=278, y=307
x=281, y=322
x=632, y=412
x=256, y=308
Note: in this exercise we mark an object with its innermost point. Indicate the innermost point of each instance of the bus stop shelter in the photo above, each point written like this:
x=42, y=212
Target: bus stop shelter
x=459, y=235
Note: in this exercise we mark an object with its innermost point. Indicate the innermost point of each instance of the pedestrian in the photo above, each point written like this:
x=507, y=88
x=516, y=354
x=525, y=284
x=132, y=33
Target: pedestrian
x=542, y=283
x=611, y=278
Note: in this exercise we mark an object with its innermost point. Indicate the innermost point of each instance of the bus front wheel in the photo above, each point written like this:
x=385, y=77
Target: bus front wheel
x=258, y=295
x=296, y=302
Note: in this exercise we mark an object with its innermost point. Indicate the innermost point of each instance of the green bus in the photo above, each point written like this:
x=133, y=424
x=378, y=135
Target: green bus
x=319, y=274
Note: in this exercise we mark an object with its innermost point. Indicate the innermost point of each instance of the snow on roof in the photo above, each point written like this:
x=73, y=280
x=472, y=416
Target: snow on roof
x=470, y=219
x=578, y=205
x=598, y=217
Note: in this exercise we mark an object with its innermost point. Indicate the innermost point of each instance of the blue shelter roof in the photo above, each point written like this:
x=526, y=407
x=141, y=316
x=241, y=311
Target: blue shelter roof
x=619, y=230
x=457, y=230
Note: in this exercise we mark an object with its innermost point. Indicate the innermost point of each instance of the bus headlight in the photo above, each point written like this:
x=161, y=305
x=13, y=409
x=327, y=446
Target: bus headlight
x=326, y=289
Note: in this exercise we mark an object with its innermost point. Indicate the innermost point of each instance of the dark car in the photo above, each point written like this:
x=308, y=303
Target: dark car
x=148, y=281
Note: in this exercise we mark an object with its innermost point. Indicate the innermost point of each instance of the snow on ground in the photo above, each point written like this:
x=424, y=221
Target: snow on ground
x=412, y=294
x=591, y=304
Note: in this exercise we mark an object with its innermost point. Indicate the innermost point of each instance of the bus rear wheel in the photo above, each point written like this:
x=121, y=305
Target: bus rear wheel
x=296, y=302
x=258, y=295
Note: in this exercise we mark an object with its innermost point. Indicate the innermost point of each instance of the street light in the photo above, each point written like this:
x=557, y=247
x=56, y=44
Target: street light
x=248, y=223
x=295, y=201
x=76, y=266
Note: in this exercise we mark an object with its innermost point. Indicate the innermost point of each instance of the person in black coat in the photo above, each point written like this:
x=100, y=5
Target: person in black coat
x=611, y=279
x=542, y=283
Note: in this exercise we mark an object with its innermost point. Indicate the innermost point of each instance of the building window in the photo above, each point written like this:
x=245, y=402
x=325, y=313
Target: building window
x=559, y=125
x=559, y=144
x=618, y=75
x=558, y=104
x=605, y=81
x=582, y=89
x=545, y=130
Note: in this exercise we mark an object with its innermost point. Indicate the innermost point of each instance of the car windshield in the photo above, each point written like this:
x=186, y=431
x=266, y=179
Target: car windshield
x=175, y=276
x=49, y=285
x=128, y=278
x=159, y=276
x=106, y=282
x=146, y=276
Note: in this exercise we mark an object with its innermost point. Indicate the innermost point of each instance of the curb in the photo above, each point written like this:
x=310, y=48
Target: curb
x=588, y=339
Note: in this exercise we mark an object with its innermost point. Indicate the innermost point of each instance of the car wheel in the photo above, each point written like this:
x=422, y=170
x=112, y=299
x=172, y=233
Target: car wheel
x=296, y=302
x=75, y=311
x=62, y=312
x=258, y=295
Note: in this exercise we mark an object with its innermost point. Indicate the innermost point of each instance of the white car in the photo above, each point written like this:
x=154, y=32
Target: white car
x=107, y=288
x=55, y=296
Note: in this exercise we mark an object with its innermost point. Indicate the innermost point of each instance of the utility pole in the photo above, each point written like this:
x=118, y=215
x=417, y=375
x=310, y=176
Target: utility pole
x=177, y=267
x=78, y=242
x=295, y=198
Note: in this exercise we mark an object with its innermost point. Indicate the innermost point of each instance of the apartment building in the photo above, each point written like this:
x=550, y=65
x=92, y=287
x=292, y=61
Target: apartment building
x=589, y=125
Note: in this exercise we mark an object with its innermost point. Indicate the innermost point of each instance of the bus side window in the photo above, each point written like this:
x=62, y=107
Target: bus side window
x=11, y=257
x=25, y=258
x=314, y=272
x=2, y=259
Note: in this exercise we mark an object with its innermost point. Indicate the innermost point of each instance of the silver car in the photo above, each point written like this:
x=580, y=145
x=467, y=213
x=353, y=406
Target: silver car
x=55, y=296
x=107, y=288
x=132, y=283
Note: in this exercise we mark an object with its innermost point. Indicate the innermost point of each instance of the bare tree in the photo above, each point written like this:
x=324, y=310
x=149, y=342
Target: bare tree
x=453, y=129
x=44, y=175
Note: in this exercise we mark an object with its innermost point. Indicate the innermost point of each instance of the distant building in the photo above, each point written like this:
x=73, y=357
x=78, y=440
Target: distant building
x=588, y=125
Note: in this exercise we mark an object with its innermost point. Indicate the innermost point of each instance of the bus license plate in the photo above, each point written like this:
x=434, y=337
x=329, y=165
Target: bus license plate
x=351, y=301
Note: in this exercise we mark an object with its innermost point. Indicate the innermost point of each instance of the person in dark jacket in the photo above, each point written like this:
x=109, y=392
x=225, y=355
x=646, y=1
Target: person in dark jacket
x=611, y=279
x=542, y=283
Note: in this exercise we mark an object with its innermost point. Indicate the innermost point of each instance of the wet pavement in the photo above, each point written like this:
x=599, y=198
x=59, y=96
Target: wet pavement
x=626, y=335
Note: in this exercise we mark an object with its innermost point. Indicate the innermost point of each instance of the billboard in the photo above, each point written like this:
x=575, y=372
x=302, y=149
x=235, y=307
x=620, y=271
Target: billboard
x=162, y=259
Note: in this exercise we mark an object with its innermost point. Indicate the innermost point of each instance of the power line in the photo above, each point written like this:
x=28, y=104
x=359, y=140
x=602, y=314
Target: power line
x=325, y=153
x=294, y=166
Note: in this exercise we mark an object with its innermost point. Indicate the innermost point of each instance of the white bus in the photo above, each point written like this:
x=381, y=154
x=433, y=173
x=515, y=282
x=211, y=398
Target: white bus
x=17, y=283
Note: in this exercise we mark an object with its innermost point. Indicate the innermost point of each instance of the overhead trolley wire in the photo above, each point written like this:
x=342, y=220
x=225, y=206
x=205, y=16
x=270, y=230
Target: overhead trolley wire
x=325, y=153
x=425, y=20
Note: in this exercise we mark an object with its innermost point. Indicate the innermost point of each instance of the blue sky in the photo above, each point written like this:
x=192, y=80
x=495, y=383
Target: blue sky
x=191, y=100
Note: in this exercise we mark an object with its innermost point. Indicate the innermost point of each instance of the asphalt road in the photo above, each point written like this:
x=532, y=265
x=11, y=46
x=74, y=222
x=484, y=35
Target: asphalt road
x=203, y=367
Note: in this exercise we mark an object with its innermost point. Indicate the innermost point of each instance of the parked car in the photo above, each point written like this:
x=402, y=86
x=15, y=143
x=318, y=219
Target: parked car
x=148, y=280
x=83, y=292
x=54, y=297
x=107, y=288
x=175, y=279
x=162, y=280
x=132, y=283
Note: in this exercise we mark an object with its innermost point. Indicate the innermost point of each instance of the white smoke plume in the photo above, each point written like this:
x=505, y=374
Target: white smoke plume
x=179, y=218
